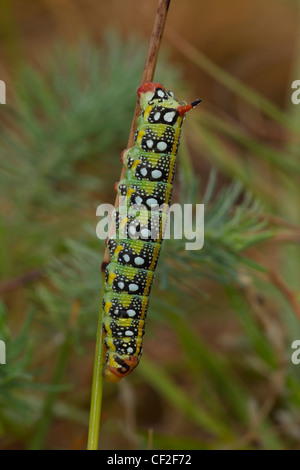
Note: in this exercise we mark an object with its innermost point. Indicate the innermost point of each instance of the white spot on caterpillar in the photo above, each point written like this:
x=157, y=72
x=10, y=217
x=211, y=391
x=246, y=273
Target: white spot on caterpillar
x=139, y=261
x=156, y=116
x=156, y=174
x=152, y=202
x=129, y=350
x=160, y=93
x=162, y=146
x=121, y=285
x=133, y=287
x=126, y=258
x=132, y=230
x=128, y=333
x=145, y=233
x=138, y=200
x=168, y=117
x=149, y=143
x=131, y=313
x=143, y=171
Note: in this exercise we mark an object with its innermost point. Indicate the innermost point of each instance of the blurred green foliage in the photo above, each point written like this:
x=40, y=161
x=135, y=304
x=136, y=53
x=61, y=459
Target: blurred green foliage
x=59, y=157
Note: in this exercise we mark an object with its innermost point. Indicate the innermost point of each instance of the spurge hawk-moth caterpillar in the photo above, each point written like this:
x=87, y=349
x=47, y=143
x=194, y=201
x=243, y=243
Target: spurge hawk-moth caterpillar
x=134, y=249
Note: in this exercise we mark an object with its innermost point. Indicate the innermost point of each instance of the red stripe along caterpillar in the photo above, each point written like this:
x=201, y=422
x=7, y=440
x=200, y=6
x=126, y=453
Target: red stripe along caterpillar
x=134, y=250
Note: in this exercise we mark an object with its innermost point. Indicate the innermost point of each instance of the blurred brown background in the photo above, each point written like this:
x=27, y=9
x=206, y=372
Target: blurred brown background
x=254, y=40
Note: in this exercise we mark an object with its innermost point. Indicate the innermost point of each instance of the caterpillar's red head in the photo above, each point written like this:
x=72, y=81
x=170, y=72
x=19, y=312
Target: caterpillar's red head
x=150, y=92
x=148, y=87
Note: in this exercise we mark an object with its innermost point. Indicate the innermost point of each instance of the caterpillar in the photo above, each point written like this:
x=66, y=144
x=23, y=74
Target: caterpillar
x=135, y=247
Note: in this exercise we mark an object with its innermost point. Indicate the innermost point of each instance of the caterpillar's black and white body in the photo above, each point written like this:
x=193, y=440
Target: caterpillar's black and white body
x=134, y=251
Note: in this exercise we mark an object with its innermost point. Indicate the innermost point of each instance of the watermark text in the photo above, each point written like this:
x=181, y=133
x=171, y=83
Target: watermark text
x=2, y=352
x=154, y=223
x=296, y=354
x=2, y=92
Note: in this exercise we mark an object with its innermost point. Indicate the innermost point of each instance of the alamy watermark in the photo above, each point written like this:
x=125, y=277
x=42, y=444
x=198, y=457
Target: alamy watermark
x=295, y=97
x=154, y=222
x=2, y=92
x=2, y=352
x=295, y=357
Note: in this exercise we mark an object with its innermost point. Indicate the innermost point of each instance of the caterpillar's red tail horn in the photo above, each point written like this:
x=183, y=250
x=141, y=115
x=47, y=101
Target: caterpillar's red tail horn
x=187, y=107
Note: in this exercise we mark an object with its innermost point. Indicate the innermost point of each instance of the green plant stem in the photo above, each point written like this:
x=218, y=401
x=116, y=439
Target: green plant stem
x=97, y=386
